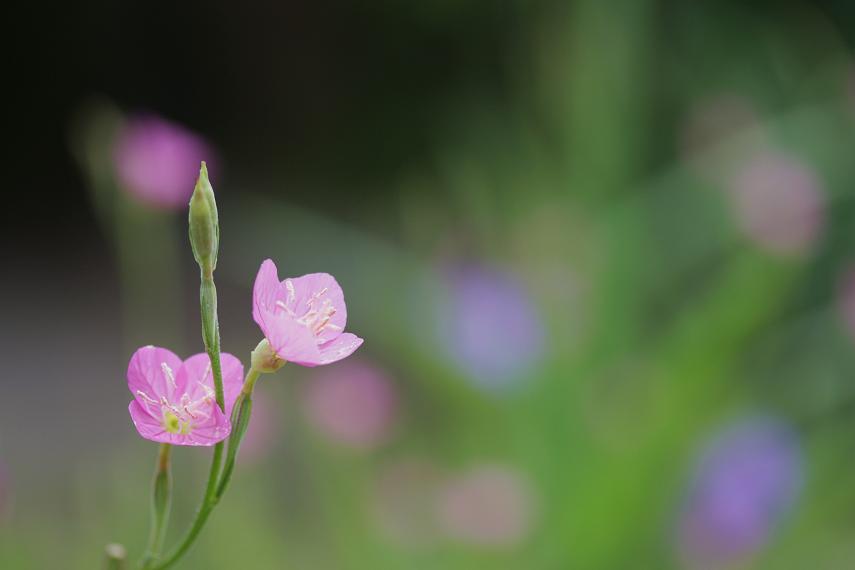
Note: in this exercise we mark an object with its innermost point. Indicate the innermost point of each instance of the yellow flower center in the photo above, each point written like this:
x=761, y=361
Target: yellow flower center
x=173, y=424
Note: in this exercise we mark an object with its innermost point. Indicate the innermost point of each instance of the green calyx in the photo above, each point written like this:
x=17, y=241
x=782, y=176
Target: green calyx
x=265, y=360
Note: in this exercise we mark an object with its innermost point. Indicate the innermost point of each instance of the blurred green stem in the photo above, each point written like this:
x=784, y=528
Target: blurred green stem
x=161, y=500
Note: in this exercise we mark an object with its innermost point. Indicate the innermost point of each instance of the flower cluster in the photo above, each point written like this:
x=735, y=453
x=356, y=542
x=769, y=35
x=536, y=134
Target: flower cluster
x=205, y=399
x=303, y=320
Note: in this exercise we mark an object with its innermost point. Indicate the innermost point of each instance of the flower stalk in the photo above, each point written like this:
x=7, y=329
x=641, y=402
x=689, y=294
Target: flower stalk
x=201, y=401
x=204, y=229
x=240, y=421
x=161, y=502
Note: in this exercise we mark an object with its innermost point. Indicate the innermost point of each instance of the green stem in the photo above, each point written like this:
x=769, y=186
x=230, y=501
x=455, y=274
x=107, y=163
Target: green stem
x=211, y=333
x=161, y=500
x=241, y=414
x=202, y=514
x=211, y=337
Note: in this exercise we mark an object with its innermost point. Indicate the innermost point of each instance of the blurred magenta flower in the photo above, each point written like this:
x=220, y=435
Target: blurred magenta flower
x=489, y=325
x=302, y=318
x=779, y=203
x=354, y=404
x=157, y=161
x=490, y=505
x=747, y=478
x=847, y=301
x=263, y=431
x=174, y=401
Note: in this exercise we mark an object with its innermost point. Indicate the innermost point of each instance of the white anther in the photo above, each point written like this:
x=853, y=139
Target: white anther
x=146, y=397
x=165, y=403
x=292, y=294
x=168, y=372
x=189, y=413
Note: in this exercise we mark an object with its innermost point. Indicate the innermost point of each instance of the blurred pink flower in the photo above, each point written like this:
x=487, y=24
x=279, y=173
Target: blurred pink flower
x=174, y=400
x=302, y=318
x=746, y=479
x=779, y=203
x=489, y=505
x=157, y=161
x=263, y=431
x=404, y=497
x=847, y=301
x=354, y=404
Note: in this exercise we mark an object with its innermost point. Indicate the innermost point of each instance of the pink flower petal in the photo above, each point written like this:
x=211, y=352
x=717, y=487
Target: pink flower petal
x=290, y=340
x=266, y=291
x=149, y=372
x=342, y=347
x=196, y=375
x=318, y=289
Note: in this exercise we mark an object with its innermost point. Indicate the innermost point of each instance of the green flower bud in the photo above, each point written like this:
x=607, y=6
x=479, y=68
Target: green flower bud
x=264, y=360
x=116, y=557
x=204, y=224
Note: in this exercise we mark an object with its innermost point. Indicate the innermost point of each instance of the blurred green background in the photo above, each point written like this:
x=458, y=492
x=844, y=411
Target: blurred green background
x=602, y=255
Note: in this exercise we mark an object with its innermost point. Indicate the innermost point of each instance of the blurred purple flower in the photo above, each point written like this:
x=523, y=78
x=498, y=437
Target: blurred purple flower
x=847, y=301
x=747, y=478
x=489, y=325
x=490, y=505
x=353, y=404
x=779, y=203
x=157, y=161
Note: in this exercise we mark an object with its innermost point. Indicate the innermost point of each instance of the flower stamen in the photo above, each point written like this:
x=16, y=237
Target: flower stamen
x=170, y=377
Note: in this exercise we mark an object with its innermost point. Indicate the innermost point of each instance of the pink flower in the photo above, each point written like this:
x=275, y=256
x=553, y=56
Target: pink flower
x=779, y=202
x=354, y=404
x=302, y=318
x=174, y=401
x=490, y=505
x=157, y=160
x=264, y=431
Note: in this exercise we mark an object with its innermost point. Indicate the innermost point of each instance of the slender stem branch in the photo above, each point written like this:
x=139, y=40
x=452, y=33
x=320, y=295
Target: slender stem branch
x=202, y=514
x=240, y=421
x=161, y=500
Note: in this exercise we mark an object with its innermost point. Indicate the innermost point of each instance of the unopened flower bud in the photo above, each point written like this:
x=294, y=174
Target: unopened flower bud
x=116, y=557
x=204, y=224
x=265, y=360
